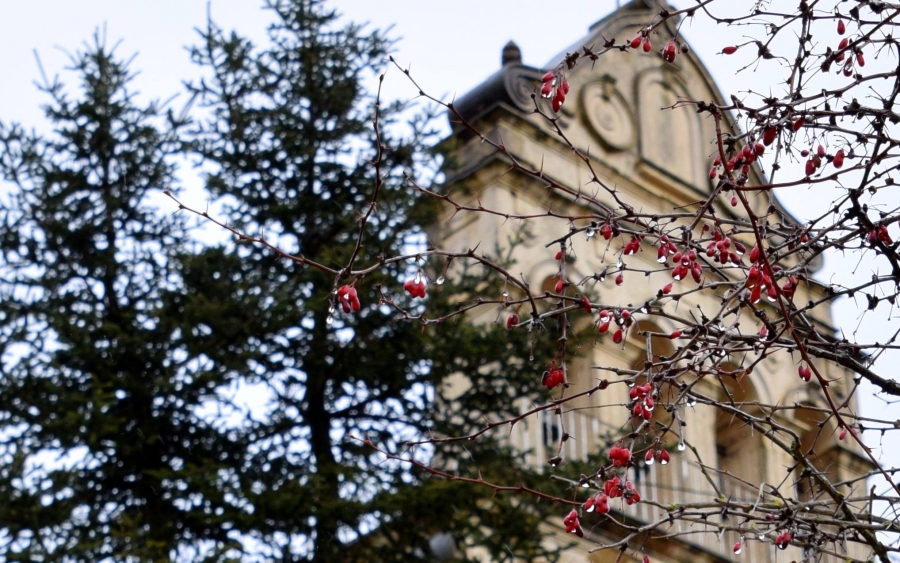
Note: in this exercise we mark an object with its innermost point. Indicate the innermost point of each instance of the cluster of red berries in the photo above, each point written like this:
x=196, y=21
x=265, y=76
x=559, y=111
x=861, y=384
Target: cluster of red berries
x=347, y=298
x=623, y=320
x=662, y=455
x=613, y=489
x=814, y=160
x=758, y=280
x=553, y=376
x=555, y=88
x=666, y=247
x=641, y=39
x=783, y=540
x=573, y=526
x=643, y=401
x=600, y=503
x=415, y=287
x=620, y=456
x=686, y=263
x=720, y=249
x=631, y=494
x=633, y=245
x=879, y=233
x=740, y=161
x=804, y=372
x=840, y=54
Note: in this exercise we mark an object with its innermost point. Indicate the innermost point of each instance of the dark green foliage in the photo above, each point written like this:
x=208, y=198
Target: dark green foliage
x=212, y=403
x=93, y=383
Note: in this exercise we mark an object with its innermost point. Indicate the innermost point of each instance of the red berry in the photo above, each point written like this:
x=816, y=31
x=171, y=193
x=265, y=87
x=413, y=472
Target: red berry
x=769, y=136
x=586, y=304
x=675, y=334
x=838, y=159
x=618, y=335
x=783, y=540
x=415, y=288
x=602, y=504
x=843, y=434
x=560, y=95
x=548, y=77
x=647, y=46
x=557, y=104
x=573, y=526
x=820, y=150
x=512, y=320
x=559, y=254
x=810, y=167
x=843, y=44
x=560, y=286
x=619, y=279
x=668, y=53
x=667, y=289
x=798, y=123
x=804, y=372
x=860, y=60
x=841, y=28
x=546, y=89
x=663, y=457
x=730, y=50
x=636, y=42
x=565, y=86
x=552, y=377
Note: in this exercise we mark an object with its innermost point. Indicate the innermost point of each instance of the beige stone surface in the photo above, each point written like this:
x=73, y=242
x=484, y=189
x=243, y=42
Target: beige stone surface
x=657, y=160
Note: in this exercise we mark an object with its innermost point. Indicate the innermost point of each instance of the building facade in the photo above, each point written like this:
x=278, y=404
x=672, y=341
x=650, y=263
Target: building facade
x=658, y=160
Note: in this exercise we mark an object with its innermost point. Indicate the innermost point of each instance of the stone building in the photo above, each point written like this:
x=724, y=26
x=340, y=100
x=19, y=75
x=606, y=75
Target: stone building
x=658, y=160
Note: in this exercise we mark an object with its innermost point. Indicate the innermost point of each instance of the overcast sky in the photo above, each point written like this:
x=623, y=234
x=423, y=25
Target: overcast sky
x=450, y=46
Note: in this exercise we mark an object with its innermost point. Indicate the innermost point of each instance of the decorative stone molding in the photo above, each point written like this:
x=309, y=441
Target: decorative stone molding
x=608, y=115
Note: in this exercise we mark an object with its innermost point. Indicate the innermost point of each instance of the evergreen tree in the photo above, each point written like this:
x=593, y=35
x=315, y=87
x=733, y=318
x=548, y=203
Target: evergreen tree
x=102, y=454
x=160, y=402
x=291, y=142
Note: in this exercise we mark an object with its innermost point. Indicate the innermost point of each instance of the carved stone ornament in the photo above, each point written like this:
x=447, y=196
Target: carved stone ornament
x=607, y=114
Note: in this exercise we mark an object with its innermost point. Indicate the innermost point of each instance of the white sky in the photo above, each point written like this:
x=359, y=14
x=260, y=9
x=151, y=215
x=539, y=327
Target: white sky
x=450, y=45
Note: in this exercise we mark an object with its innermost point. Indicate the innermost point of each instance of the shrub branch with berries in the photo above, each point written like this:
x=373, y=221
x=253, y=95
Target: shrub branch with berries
x=733, y=290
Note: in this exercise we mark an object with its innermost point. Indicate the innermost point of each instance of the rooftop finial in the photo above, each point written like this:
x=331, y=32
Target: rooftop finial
x=512, y=55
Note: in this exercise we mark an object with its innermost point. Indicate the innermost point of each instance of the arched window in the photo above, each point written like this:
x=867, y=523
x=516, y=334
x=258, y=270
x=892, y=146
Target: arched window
x=818, y=444
x=659, y=128
x=740, y=452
